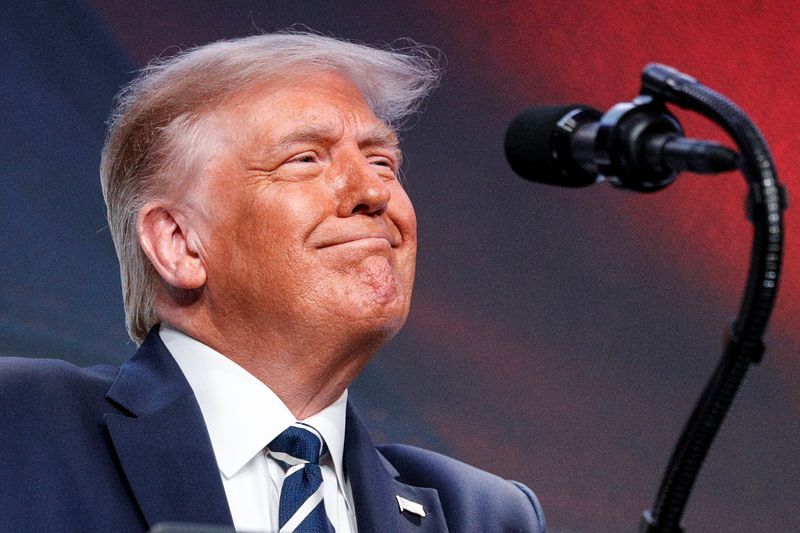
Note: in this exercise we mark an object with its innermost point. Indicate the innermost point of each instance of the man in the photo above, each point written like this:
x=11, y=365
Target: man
x=267, y=251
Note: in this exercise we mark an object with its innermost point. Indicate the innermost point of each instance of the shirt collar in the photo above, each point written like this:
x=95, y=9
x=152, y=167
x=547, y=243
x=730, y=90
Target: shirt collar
x=242, y=414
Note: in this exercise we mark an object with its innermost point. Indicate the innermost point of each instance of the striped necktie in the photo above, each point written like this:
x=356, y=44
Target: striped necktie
x=302, y=508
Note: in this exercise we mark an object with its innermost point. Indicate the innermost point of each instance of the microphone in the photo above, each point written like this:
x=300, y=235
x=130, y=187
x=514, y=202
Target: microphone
x=637, y=145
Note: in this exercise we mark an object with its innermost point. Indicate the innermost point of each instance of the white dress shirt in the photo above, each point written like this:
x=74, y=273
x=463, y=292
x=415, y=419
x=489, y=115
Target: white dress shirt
x=242, y=416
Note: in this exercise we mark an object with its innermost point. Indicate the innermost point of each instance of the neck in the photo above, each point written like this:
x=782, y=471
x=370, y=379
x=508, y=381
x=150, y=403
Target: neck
x=307, y=376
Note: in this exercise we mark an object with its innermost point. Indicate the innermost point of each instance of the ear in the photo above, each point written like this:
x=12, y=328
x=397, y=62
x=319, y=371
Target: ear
x=171, y=248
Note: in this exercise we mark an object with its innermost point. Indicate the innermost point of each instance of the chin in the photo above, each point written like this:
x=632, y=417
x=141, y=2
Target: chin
x=380, y=327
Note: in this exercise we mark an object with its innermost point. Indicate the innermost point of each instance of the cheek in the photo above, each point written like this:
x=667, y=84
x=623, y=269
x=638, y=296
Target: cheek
x=272, y=227
x=237, y=233
x=403, y=214
x=406, y=221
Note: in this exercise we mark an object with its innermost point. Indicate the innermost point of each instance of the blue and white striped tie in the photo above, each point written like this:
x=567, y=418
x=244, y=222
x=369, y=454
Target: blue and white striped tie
x=302, y=508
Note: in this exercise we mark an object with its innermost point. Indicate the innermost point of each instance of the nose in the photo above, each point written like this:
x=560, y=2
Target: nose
x=361, y=189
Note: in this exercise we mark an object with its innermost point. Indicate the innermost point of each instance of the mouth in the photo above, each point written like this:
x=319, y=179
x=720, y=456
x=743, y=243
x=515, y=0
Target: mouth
x=362, y=241
x=369, y=237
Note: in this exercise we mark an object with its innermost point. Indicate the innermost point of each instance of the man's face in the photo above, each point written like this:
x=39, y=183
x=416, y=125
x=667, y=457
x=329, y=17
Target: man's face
x=304, y=224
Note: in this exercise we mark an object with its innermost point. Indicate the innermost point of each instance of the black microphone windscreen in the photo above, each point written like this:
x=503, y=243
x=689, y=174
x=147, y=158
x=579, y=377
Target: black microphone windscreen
x=533, y=150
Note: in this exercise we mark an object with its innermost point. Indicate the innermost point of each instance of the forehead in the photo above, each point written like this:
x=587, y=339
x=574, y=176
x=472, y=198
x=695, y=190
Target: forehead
x=313, y=102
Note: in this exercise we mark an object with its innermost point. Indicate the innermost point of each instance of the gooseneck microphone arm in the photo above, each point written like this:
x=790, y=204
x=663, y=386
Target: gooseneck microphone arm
x=639, y=146
x=744, y=344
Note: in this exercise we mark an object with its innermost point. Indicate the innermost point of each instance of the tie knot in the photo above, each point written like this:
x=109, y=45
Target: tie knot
x=297, y=444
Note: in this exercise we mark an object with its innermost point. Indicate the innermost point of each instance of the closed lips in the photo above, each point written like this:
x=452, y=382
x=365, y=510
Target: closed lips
x=357, y=238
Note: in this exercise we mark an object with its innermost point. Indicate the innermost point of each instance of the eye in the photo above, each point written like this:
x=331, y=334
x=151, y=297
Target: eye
x=305, y=157
x=381, y=161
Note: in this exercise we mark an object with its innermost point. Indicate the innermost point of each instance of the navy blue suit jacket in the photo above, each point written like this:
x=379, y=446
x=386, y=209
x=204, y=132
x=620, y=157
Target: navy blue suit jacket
x=122, y=449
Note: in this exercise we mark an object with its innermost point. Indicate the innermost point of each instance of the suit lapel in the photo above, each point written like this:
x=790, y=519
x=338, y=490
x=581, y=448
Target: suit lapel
x=375, y=487
x=164, y=448
x=166, y=455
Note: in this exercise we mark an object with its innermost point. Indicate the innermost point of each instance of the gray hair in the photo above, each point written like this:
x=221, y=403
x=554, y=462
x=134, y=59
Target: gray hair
x=153, y=133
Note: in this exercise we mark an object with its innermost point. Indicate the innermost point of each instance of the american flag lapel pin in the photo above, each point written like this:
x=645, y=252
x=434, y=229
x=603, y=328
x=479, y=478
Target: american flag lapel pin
x=407, y=506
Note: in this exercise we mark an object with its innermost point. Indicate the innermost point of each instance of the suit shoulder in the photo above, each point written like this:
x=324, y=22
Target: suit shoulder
x=499, y=501
x=43, y=398
x=24, y=378
x=411, y=461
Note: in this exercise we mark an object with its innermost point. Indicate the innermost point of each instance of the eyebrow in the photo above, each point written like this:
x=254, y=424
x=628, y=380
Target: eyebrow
x=380, y=135
x=383, y=136
x=377, y=135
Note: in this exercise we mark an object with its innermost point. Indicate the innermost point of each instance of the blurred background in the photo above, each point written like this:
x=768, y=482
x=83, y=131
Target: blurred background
x=558, y=337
